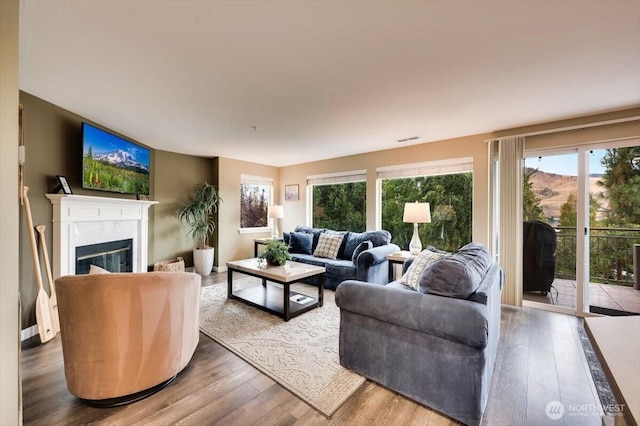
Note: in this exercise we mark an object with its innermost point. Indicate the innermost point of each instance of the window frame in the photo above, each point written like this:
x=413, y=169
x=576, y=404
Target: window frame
x=423, y=169
x=337, y=178
x=257, y=180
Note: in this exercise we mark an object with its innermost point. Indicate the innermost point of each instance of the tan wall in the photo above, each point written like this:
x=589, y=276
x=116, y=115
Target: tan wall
x=231, y=244
x=174, y=177
x=10, y=413
x=471, y=146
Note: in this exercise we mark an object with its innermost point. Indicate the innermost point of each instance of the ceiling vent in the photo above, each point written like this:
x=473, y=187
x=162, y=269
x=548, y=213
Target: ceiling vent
x=412, y=138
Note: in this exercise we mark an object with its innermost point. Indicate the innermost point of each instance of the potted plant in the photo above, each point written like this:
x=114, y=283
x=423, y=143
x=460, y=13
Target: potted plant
x=199, y=214
x=276, y=253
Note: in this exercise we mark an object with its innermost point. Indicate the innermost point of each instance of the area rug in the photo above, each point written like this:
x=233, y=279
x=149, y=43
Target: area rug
x=607, y=400
x=301, y=354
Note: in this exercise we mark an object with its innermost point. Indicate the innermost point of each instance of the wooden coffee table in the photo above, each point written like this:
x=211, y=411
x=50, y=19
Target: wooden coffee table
x=280, y=301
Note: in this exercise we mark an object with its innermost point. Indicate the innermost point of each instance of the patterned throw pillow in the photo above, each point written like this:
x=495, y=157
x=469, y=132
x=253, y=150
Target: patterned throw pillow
x=328, y=246
x=425, y=259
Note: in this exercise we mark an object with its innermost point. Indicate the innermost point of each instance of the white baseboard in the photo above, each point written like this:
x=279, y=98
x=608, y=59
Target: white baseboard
x=220, y=268
x=28, y=333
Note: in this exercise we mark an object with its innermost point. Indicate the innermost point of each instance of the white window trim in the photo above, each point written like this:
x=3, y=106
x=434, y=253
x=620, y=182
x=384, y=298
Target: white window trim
x=258, y=180
x=427, y=168
x=337, y=178
x=330, y=179
x=424, y=169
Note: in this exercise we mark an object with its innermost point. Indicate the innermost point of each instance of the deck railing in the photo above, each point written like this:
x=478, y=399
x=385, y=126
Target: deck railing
x=610, y=250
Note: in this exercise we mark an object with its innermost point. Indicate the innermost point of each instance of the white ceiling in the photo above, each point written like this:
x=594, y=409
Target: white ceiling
x=324, y=79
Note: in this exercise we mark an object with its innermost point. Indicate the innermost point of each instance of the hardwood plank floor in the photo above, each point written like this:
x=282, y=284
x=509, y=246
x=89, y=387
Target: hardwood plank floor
x=540, y=359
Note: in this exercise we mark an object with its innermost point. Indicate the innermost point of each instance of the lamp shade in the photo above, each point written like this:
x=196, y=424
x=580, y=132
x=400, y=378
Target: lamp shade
x=275, y=212
x=416, y=213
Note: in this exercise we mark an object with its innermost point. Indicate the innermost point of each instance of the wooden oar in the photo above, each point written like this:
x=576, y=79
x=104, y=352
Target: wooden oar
x=52, y=284
x=21, y=154
x=43, y=304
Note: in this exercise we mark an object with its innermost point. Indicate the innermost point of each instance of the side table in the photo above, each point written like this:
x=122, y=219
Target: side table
x=263, y=241
x=394, y=259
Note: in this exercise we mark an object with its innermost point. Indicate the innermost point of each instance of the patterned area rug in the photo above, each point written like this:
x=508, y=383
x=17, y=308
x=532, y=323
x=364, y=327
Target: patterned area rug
x=301, y=354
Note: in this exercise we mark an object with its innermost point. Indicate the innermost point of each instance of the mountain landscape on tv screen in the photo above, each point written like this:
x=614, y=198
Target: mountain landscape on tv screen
x=115, y=171
x=121, y=159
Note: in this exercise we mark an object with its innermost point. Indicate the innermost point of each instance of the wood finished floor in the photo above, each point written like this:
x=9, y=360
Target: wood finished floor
x=539, y=360
x=609, y=296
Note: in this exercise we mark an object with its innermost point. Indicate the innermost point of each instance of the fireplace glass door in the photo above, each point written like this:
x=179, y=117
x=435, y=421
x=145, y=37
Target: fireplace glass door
x=114, y=256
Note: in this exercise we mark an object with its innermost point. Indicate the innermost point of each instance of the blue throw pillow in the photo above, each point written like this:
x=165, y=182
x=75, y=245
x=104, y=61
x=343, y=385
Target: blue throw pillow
x=458, y=274
x=313, y=231
x=377, y=238
x=300, y=242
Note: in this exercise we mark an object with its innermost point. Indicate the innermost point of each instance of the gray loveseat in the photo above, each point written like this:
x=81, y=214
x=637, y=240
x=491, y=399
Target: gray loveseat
x=434, y=349
x=360, y=256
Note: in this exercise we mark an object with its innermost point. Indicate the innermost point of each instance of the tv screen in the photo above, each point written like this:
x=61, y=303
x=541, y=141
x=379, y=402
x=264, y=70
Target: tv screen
x=111, y=163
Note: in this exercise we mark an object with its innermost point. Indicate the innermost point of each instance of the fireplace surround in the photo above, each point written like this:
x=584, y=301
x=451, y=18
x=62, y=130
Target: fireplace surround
x=81, y=220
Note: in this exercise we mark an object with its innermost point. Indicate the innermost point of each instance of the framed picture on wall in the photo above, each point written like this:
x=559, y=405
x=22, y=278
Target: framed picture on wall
x=291, y=192
x=63, y=185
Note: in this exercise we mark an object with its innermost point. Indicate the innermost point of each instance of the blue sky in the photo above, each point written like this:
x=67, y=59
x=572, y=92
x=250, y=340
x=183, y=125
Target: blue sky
x=567, y=164
x=101, y=141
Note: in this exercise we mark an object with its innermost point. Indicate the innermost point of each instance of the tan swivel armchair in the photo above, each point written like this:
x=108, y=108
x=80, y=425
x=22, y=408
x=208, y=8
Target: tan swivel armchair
x=126, y=335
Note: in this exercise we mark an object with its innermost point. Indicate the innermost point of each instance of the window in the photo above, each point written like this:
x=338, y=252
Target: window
x=256, y=194
x=446, y=185
x=338, y=201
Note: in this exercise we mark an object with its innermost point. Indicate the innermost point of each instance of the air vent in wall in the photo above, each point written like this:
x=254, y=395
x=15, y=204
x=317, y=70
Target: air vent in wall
x=412, y=138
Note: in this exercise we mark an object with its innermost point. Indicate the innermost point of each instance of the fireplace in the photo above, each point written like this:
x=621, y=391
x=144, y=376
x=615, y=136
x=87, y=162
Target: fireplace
x=114, y=256
x=80, y=221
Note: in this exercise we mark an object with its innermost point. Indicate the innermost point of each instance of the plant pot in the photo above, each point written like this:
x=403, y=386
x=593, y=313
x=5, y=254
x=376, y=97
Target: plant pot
x=203, y=260
x=274, y=262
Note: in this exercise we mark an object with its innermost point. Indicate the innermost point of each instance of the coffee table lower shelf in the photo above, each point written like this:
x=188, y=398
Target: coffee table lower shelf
x=271, y=299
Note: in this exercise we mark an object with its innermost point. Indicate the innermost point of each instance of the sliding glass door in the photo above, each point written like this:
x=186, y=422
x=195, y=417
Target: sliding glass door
x=550, y=196
x=590, y=198
x=614, y=176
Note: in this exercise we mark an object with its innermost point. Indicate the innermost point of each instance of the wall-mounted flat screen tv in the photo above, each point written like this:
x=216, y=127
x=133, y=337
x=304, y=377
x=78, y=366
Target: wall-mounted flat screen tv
x=111, y=163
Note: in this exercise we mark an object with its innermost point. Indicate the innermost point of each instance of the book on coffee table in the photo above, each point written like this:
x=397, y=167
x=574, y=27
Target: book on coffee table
x=301, y=298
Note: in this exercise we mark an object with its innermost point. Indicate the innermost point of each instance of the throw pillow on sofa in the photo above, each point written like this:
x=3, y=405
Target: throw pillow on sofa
x=316, y=232
x=377, y=238
x=363, y=246
x=300, y=242
x=424, y=260
x=459, y=274
x=328, y=246
x=344, y=235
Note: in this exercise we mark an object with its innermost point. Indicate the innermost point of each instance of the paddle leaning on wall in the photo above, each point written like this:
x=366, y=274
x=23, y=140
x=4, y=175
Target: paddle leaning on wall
x=44, y=310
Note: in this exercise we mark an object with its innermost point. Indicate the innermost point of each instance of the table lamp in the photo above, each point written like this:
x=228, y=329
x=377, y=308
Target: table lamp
x=275, y=212
x=416, y=213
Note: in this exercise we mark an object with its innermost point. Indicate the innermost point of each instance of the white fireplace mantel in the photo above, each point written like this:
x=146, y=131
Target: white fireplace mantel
x=80, y=220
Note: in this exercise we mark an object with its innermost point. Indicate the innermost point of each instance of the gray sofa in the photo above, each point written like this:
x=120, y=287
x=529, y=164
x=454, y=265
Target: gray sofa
x=361, y=256
x=434, y=349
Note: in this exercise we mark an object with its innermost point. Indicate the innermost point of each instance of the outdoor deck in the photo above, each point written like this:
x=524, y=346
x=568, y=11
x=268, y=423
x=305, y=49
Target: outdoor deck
x=620, y=298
